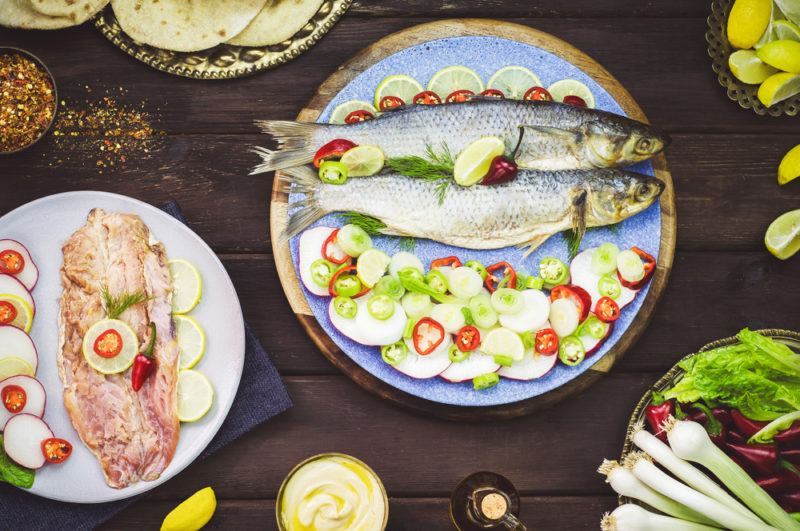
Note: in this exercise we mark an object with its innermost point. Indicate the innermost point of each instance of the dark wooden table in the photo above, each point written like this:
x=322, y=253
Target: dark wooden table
x=723, y=160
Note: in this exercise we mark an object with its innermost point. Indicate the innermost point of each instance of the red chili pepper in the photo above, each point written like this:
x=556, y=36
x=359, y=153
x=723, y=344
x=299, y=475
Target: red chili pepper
x=349, y=270
x=537, y=94
x=358, y=116
x=450, y=261
x=501, y=170
x=717, y=432
x=7, y=312
x=789, y=435
x=736, y=437
x=509, y=278
x=427, y=97
x=144, y=363
x=658, y=412
x=11, y=262
x=569, y=292
x=493, y=93
x=108, y=344
x=459, y=96
x=790, y=502
x=14, y=398
x=468, y=339
x=546, y=342
x=428, y=334
x=786, y=479
x=762, y=458
x=55, y=450
x=332, y=150
x=649, y=269
x=329, y=249
x=723, y=414
x=745, y=426
x=388, y=103
x=792, y=455
x=574, y=100
x=585, y=298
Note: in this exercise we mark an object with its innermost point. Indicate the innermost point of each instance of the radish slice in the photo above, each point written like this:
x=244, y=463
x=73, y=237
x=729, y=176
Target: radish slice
x=11, y=285
x=564, y=317
x=422, y=367
x=34, y=394
x=29, y=275
x=532, y=366
x=367, y=330
x=16, y=343
x=535, y=312
x=22, y=440
x=584, y=276
x=309, y=250
x=478, y=363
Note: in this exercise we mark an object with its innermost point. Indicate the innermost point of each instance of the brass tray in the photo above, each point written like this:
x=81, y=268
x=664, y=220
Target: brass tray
x=792, y=339
x=224, y=61
x=719, y=49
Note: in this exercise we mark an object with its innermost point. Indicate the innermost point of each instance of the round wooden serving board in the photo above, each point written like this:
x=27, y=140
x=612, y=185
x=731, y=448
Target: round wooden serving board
x=459, y=28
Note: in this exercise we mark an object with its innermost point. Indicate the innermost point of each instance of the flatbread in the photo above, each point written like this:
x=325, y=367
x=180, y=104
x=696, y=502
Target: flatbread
x=185, y=25
x=278, y=21
x=78, y=10
x=20, y=14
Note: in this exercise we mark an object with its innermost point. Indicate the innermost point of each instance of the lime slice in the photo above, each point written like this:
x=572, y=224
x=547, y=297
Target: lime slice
x=778, y=87
x=783, y=235
x=786, y=30
x=194, y=513
x=473, y=163
x=122, y=361
x=187, y=286
x=514, y=81
x=453, y=78
x=748, y=68
x=13, y=366
x=362, y=161
x=783, y=55
x=790, y=9
x=191, y=340
x=11, y=305
x=399, y=86
x=371, y=266
x=344, y=109
x=789, y=168
x=195, y=396
x=748, y=21
x=503, y=342
x=571, y=87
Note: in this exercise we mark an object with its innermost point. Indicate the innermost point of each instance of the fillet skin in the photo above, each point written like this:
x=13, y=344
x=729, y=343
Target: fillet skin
x=132, y=434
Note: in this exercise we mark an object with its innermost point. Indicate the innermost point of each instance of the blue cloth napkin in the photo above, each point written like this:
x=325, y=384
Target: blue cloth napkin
x=261, y=396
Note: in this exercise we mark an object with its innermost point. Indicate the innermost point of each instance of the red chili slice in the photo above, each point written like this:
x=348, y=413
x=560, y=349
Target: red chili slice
x=607, y=310
x=427, y=97
x=574, y=100
x=332, y=150
x=8, y=312
x=428, y=334
x=108, y=344
x=546, y=341
x=14, y=398
x=493, y=93
x=349, y=270
x=509, y=278
x=459, y=96
x=649, y=269
x=329, y=250
x=451, y=261
x=468, y=339
x=569, y=292
x=537, y=94
x=11, y=262
x=358, y=116
x=388, y=103
x=56, y=451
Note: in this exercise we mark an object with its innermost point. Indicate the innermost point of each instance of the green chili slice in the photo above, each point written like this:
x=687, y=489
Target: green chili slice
x=437, y=281
x=609, y=286
x=345, y=307
x=478, y=267
x=347, y=285
x=322, y=271
x=333, y=172
x=394, y=353
x=571, y=351
x=553, y=272
x=456, y=355
x=380, y=307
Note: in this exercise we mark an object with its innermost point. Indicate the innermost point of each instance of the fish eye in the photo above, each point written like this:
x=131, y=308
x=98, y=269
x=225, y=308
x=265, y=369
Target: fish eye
x=644, y=145
x=643, y=191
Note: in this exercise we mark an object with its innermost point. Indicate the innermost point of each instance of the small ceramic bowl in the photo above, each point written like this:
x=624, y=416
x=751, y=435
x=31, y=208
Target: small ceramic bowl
x=29, y=55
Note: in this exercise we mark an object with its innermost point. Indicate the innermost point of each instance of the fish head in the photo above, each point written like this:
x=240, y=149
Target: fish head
x=611, y=142
x=617, y=195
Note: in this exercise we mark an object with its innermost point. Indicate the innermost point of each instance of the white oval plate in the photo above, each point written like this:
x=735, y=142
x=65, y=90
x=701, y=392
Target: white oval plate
x=43, y=226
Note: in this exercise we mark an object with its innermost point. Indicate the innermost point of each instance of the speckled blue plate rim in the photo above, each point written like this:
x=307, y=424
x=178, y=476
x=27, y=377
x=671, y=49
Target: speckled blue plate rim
x=485, y=55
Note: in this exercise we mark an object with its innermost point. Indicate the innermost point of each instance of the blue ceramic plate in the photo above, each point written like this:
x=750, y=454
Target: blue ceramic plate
x=486, y=55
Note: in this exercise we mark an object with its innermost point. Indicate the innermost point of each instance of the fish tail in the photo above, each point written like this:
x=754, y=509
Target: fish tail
x=303, y=180
x=295, y=146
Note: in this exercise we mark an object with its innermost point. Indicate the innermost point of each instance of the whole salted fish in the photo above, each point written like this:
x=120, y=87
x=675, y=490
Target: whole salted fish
x=551, y=136
x=523, y=212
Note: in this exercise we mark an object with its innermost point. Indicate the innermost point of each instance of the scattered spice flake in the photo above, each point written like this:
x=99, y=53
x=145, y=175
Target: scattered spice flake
x=27, y=101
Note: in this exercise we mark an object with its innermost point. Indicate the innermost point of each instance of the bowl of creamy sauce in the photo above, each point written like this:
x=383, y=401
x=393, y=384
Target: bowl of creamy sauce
x=332, y=492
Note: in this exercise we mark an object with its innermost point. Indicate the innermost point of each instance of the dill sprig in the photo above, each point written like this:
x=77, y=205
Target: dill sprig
x=116, y=305
x=432, y=167
x=407, y=244
x=372, y=226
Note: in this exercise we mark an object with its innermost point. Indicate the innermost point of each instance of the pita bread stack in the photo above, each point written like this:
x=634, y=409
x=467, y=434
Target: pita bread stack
x=48, y=14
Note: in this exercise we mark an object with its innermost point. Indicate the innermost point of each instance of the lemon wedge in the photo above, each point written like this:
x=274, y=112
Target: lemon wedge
x=15, y=311
x=748, y=68
x=187, y=286
x=371, y=266
x=783, y=235
x=778, y=87
x=503, y=342
x=191, y=340
x=748, y=21
x=362, y=161
x=783, y=55
x=789, y=168
x=193, y=514
x=13, y=366
x=473, y=163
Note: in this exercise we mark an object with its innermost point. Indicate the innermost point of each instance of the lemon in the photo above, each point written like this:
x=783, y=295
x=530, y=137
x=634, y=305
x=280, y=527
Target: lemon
x=362, y=161
x=785, y=30
x=344, y=109
x=513, y=81
x=748, y=68
x=24, y=318
x=778, y=87
x=473, y=163
x=192, y=514
x=571, y=87
x=789, y=168
x=399, y=86
x=195, y=395
x=783, y=235
x=191, y=340
x=122, y=361
x=453, y=78
x=13, y=366
x=371, y=266
x=503, y=342
x=748, y=21
x=187, y=286
x=783, y=55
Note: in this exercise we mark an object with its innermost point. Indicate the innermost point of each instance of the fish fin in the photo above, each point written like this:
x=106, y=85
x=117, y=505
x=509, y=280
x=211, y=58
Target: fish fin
x=533, y=243
x=295, y=146
x=302, y=180
x=578, y=215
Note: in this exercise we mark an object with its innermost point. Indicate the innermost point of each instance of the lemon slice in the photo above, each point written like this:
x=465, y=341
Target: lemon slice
x=778, y=87
x=748, y=21
x=571, y=87
x=748, y=68
x=15, y=311
x=362, y=161
x=194, y=513
x=187, y=286
x=122, y=361
x=503, y=342
x=783, y=55
x=371, y=266
x=786, y=30
x=191, y=340
x=513, y=81
x=195, y=396
x=473, y=163
x=399, y=86
x=344, y=109
x=789, y=168
x=453, y=78
x=13, y=366
x=783, y=235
